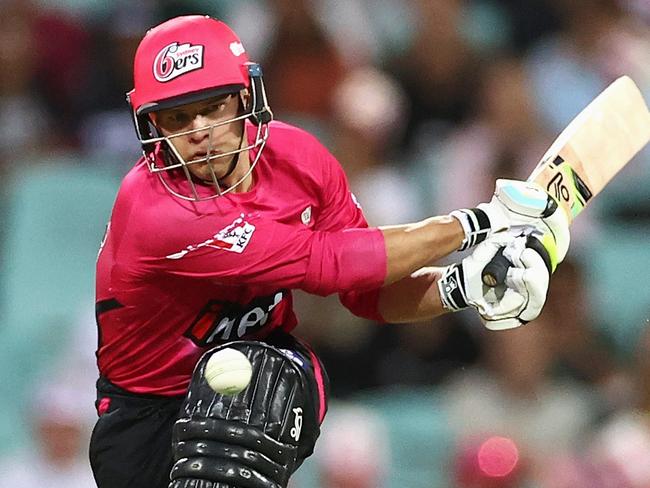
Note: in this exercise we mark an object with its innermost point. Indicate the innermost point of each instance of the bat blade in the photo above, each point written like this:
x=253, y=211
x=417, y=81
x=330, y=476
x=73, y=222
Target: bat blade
x=595, y=146
x=587, y=155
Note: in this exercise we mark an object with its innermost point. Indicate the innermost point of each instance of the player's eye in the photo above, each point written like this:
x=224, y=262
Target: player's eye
x=181, y=118
x=213, y=109
x=176, y=120
x=216, y=107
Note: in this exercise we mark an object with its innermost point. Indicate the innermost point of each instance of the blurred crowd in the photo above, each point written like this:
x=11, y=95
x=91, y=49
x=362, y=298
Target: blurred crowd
x=425, y=103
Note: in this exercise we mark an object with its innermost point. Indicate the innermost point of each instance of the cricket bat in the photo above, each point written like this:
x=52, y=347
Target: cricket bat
x=588, y=153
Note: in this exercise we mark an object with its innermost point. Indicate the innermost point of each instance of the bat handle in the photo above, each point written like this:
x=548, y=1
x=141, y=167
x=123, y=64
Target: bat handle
x=496, y=270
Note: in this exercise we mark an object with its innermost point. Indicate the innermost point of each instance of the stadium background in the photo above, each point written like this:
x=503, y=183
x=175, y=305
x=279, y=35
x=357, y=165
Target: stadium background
x=424, y=102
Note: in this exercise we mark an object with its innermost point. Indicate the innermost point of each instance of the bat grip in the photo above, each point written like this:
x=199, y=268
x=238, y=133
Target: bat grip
x=496, y=270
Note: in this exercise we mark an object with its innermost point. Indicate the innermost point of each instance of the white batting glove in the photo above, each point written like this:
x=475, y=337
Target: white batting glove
x=519, y=301
x=517, y=206
x=529, y=277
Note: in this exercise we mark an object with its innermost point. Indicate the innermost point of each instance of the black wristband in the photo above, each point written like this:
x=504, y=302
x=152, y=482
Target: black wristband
x=476, y=226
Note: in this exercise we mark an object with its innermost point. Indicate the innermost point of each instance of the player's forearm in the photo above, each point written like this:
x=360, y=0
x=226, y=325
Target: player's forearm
x=412, y=246
x=369, y=258
x=413, y=298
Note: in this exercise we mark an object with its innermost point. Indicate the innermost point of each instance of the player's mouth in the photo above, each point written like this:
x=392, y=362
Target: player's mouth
x=198, y=156
x=201, y=156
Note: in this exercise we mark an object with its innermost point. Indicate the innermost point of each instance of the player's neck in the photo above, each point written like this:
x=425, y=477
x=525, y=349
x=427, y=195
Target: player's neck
x=242, y=167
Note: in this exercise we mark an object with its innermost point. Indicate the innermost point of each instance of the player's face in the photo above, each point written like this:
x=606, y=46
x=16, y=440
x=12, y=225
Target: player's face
x=210, y=141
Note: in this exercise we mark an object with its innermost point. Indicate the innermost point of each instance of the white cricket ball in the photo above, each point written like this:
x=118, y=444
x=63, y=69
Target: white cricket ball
x=228, y=371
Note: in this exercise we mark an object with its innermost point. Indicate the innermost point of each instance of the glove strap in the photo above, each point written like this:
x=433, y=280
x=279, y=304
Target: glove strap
x=476, y=226
x=452, y=288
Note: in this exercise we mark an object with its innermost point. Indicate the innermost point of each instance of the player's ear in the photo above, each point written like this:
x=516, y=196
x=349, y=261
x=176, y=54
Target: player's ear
x=152, y=121
x=246, y=99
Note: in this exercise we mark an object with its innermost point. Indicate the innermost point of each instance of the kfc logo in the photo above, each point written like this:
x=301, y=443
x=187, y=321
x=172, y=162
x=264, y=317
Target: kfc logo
x=233, y=238
x=177, y=59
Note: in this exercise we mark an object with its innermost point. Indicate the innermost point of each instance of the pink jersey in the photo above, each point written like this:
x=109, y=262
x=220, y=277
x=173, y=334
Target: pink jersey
x=175, y=278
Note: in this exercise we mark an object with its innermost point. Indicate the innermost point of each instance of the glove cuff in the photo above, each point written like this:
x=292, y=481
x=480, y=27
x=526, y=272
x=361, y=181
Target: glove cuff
x=476, y=226
x=451, y=288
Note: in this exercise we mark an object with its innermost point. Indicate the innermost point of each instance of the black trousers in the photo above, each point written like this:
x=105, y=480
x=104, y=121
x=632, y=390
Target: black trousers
x=131, y=445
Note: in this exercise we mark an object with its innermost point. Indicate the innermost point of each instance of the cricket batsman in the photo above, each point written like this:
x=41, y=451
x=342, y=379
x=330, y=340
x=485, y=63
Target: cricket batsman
x=225, y=214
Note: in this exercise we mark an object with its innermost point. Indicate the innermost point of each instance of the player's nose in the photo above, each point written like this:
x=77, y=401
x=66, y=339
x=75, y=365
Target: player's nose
x=200, y=124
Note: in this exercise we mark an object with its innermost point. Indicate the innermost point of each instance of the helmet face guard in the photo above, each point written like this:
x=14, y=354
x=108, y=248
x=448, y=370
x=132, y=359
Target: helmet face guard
x=164, y=160
x=185, y=60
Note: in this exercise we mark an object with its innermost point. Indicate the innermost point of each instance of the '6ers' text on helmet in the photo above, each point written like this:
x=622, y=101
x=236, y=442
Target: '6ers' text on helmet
x=185, y=60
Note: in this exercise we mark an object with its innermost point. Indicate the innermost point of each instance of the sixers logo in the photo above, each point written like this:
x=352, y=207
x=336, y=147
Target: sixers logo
x=177, y=59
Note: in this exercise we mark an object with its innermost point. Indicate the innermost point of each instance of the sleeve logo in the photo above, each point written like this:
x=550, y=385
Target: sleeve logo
x=305, y=216
x=233, y=238
x=177, y=59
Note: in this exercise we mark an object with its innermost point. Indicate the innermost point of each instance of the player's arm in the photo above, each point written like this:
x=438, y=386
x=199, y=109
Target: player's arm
x=412, y=299
x=416, y=296
x=515, y=205
x=405, y=297
x=432, y=291
x=411, y=246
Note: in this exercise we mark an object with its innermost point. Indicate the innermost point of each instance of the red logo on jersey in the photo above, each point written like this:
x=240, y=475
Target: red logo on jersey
x=176, y=59
x=221, y=321
x=233, y=238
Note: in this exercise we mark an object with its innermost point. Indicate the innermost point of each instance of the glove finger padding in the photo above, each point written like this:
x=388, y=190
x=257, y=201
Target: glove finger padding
x=498, y=302
x=502, y=324
x=535, y=279
x=508, y=304
x=530, y=282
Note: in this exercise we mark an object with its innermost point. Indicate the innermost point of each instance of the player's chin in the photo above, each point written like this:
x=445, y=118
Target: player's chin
x=215, y=169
